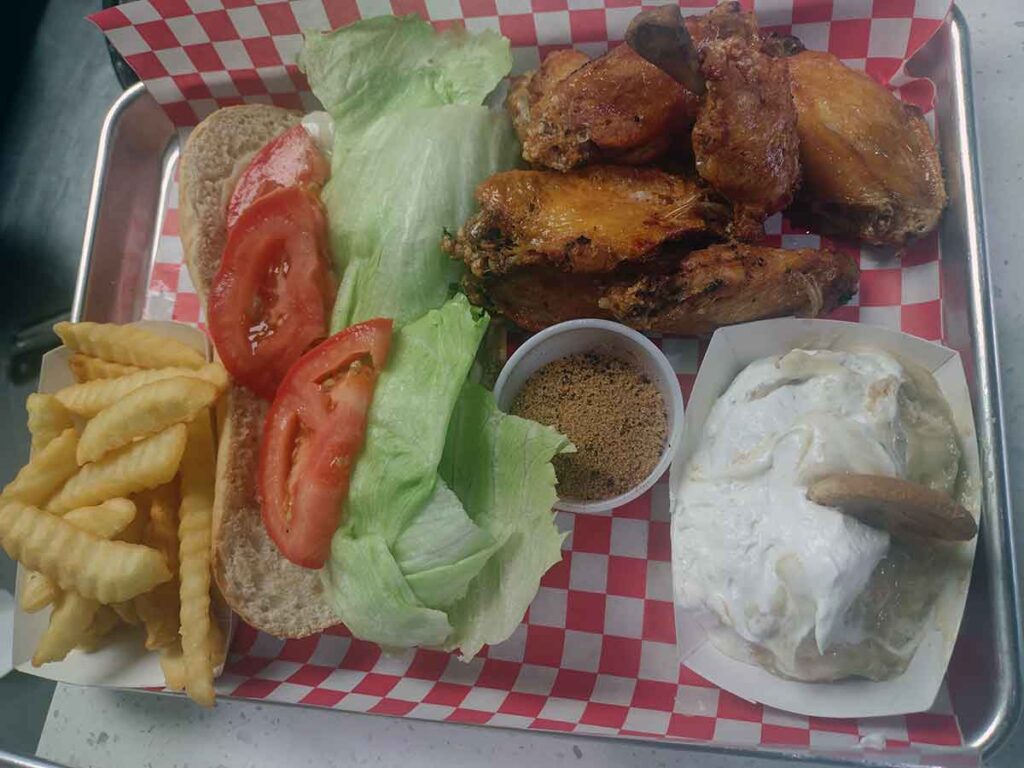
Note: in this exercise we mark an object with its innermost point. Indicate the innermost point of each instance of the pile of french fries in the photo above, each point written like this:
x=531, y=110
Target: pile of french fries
x=112, y=515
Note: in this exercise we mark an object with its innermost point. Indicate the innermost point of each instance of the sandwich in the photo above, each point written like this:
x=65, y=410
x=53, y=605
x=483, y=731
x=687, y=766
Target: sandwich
x=363, y=475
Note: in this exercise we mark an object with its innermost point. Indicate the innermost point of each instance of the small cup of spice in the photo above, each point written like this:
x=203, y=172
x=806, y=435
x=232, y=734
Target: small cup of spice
x=613, y=393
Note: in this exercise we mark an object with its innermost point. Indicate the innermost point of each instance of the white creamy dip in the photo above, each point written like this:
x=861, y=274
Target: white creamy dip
x=750, y=550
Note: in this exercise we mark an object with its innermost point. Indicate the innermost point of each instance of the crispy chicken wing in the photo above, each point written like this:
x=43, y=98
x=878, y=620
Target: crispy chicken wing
x=593, y=220
x=617, y=242
x=870, y=165
x=734, y=283
x=618, y=108
x=745, y=139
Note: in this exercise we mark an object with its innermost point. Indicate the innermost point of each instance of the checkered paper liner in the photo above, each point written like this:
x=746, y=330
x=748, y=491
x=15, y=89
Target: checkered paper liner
x=595, y=653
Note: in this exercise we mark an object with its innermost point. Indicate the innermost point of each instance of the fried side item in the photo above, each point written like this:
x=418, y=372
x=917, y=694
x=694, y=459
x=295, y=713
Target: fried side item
x=735, y=283
x=588, y=221
x=194, y=535
x=160, y=609
x=89, y=398
x=144, y=464
x=745, y=137
x=107, y=571
x=103, y=623
x=47, y=418
x=146, y=411
x=106, y=521
x=69, y=623
x=127, y=345
x=87, y=368
x=46, y=471
x=617, y=108
x=871, y=169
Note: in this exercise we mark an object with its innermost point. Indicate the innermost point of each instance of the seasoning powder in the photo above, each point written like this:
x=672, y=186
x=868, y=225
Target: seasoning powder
x=610, y=410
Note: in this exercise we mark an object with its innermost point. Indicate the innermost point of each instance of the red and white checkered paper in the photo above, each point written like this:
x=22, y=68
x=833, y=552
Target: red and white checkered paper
x=596, y=651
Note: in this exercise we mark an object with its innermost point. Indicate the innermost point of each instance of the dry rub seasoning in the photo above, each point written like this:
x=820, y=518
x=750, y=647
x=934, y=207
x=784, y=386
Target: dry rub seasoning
x=610, y=410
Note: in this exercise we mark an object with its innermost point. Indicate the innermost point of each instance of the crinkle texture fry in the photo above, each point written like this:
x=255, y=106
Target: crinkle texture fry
x=47, y=419
x=89, y=368
x=194, y=533
x=136, y=467
x=128, y=345
x=107, y=571
x=160, y=609
x=69, y=623
x=90, y=398
x=105, y=521
x=102, y=624
x=46, y=472
x=145, y=411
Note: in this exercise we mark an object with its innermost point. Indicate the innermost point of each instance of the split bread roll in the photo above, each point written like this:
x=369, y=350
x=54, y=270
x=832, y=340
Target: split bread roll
x=269, y=592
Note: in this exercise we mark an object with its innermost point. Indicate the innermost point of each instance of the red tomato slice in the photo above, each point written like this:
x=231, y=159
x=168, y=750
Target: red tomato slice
x=290, y=160
x=312, y=437
x=271, y=298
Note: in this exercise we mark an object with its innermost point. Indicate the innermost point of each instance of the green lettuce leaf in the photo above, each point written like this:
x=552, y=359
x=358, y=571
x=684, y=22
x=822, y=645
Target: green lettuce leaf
x=449, y=524
x=442, y=550
x=405, y=430
x=500, y=468
x=376, y=66
x=370, y=594
x=393, y=196
x=411, y=142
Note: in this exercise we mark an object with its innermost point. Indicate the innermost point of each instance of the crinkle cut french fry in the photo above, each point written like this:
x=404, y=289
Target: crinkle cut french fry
x=128, y=345
x=102, y=623
x=90, y=398
x=88, y=368
x=107, y=571
x=195, y=518
x=160, y=609
x=172, y=664
x=136, y=467
x=172, y=660
x=69, y=622
x=47, y=418
x=46, y=472
x=149, y=409
x=105, y=521
x=126, y=611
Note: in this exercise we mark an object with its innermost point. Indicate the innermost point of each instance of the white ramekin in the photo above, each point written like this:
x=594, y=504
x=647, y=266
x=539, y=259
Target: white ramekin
x=615, y=339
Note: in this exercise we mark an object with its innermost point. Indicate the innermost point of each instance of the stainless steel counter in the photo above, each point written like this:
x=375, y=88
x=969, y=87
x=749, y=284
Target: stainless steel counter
x=47, y=147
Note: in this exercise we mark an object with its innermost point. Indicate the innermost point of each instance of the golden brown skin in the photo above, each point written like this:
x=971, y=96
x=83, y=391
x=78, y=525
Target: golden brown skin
x=618, y=243
x=871, y=170
x=735, y=283
x=618, y=108
x=745, y=138
x=592, y=220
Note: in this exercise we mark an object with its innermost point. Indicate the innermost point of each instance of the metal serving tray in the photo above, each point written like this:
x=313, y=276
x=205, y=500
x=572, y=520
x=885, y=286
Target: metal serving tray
x=137, y=154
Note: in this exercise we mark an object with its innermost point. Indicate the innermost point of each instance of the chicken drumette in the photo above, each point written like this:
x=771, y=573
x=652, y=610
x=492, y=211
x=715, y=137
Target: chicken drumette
x=632, y=245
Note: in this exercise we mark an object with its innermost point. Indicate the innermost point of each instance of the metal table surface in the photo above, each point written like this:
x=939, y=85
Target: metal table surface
x=62, y=86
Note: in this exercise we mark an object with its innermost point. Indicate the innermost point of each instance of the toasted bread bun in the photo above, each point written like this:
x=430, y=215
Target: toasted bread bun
x=266, y=590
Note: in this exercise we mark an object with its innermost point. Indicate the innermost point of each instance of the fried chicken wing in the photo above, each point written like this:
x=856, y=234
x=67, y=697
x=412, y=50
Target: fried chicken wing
x=734, y=283
x=871, y=169
x=618, y=108
x=630, y=244
x=745, y=137
x=594, y=220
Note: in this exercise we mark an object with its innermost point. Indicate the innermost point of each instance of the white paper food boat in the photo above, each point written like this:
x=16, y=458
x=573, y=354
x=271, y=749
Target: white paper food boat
x=729, y=351
x=122, y=661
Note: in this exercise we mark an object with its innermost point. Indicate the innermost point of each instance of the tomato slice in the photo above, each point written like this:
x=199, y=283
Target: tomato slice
x=271, y=298
x=290, y=160
x=312, y=437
